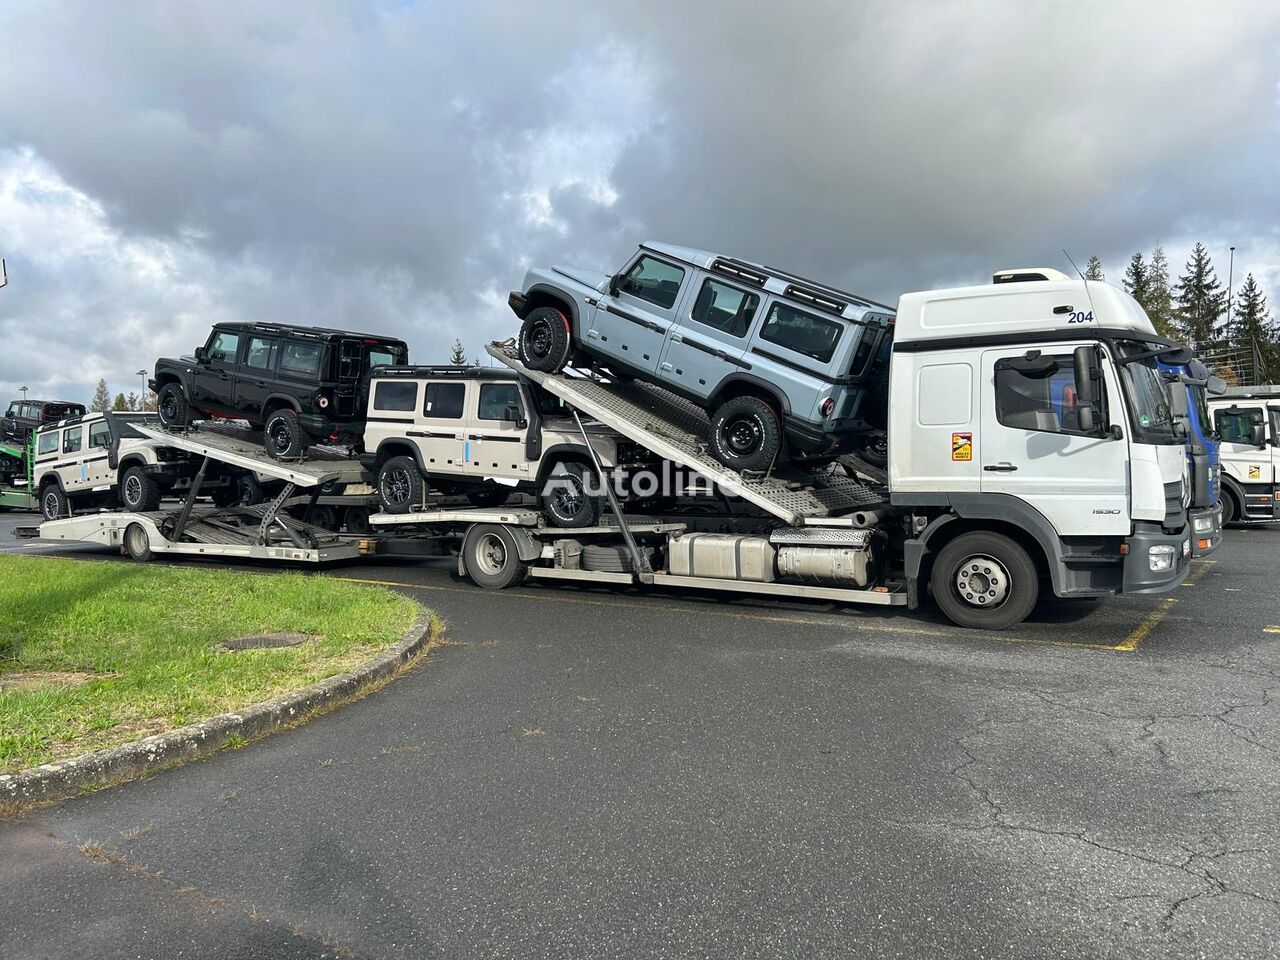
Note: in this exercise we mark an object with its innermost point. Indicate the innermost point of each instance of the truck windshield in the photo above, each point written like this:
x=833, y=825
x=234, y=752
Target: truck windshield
x=1148, y=396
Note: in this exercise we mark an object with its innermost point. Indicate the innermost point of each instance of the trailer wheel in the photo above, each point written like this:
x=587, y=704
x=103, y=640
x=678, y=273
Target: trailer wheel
x=172, y=406
x=745, y=434
x=544, y=340
x=984, y=580
x=54, y=502
x=356, y=520
x=136, y=543
x=401, y=486
x=323, y=516
x=138, y=490
x=284, y=438
x=565, y=501
x=491, y=557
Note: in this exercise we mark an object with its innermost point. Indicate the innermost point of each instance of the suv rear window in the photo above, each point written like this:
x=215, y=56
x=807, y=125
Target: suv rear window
x=725, y=308
x=444, y=400
x=48, y=443
x=653, y=280
x=801, y=332
x=395, y=395
x=72, y=439
x=300, y=358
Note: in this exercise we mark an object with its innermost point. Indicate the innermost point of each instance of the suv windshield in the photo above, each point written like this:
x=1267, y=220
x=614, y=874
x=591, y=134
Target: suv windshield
x=1147, y=394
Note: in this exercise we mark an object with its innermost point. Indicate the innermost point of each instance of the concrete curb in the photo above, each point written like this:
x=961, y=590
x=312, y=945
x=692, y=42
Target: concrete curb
x=64, y=778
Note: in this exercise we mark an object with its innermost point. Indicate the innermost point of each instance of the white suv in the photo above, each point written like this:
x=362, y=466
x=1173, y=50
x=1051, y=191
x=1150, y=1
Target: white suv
x=481, y=433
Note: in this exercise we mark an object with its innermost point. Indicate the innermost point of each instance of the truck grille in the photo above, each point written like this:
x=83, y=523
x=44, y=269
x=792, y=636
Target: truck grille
x=1173, y=504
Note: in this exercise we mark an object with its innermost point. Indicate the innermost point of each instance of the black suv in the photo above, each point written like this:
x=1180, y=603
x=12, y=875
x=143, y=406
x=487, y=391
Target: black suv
x=302, y=384
x=25, y=417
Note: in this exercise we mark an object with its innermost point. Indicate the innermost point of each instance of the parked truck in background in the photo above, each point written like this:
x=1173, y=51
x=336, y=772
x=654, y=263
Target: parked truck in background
x=1247, y=421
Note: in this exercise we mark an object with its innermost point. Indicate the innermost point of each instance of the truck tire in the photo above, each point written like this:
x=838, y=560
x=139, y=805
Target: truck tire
x=1230, y=512
x=138, y=490
x=172, y=406
x=491, y=558
x=324, y=517
x=544, y=340
x=401, y=486
x=984, y=580
x=136, y=543
x=284, y=438
x=745, y=434
x=565, y=501
x=356, y=521
x=606, y=559
x=54, y=502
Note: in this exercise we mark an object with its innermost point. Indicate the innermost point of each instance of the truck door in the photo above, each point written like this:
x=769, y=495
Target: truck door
x=257, y=375
x=632, y=327
x=1031, y=445
x=495, y=433
x=708, y=340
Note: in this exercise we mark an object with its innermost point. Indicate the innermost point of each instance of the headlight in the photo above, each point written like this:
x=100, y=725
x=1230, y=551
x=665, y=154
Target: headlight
x=1160, y=556
x=1202, y=524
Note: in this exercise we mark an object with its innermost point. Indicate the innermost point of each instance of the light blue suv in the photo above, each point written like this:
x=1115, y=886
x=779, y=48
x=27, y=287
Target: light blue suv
x=781, y=364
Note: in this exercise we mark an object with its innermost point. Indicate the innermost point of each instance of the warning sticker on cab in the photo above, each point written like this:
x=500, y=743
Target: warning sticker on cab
x=1255, y=473
x=962, y=446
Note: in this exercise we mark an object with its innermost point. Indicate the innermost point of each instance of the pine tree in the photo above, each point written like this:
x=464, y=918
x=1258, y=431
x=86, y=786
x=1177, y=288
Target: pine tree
x=459, y=355
x=1135, y=278
x=1159, y=301
x=1253, y=324
x=119, y=403
x=101, y=398
x=1093, y=269
x=133, y=402
x=1200, y=299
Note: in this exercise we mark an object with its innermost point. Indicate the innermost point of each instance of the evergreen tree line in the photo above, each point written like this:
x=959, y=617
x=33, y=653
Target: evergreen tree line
x=1193, y=310
x=102, y=401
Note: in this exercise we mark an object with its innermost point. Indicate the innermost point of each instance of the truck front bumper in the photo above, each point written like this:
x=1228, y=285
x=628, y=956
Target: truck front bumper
x=1157, y=561
x=1206, y=529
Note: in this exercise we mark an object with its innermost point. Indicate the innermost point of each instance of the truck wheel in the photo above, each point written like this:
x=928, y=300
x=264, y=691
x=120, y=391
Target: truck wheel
x=491, y=557
x=54, y=502
x=1229, y=510
x=172, y=406
x=284, y=437
x=544, y=340
x=356, y=520
x=324, y=517
x=565, y=501
x=745, y=434
x=136, y=543
x=401, y=486
x=984, y=580
x=138, y=490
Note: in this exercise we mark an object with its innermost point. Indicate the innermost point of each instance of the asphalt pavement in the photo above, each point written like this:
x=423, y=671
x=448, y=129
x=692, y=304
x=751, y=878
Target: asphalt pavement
x=601, y=773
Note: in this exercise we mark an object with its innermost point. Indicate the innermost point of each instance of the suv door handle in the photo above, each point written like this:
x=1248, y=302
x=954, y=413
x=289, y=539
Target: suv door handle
x=1000, y=468
x=676, y=338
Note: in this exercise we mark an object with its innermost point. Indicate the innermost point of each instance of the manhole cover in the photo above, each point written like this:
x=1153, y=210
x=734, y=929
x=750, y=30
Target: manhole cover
x=264, y=641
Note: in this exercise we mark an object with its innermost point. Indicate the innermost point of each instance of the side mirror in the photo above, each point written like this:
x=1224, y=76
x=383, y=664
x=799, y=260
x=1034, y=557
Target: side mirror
x=202, y=354
x=1216, y=386
x=1258, y=433
x=1084, y=362
x=512, y=415
x=615, y=284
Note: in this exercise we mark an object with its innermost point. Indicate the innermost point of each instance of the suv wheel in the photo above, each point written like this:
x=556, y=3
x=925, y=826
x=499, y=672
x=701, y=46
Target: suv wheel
x=876, y=449
x=565, y=501
x=284, y=437
x=544, y=340
x=54, y=502
x=401, y=486
x=984, y=580
x=138, y=490
x=745, y=434
x=172, y=406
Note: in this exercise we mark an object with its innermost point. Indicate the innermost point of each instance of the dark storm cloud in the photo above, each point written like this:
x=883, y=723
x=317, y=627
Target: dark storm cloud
x=396, y=166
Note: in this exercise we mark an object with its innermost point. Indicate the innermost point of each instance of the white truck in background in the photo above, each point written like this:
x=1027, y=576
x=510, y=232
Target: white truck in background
x=1247, y=420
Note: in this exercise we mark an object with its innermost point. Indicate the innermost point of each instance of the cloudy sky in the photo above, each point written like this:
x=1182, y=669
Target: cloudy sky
x=395, y=167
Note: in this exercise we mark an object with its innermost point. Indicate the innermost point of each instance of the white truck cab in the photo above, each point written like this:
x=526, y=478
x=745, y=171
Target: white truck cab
x=1032, y=410
x=1247, y=420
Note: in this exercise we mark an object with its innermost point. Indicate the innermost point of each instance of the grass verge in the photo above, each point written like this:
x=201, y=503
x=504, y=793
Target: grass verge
x=93, y=655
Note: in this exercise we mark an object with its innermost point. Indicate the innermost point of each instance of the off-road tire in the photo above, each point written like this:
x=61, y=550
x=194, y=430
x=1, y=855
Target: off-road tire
x=284, y=438
x=172, y=407
x=564, y=500
x=1001, y=581
x=544, y=341
x=54, y=502
x=491, y=558
x=401, y=486
x=138, y=490
x=875, y=449
x=746, y=434
x=137, y=544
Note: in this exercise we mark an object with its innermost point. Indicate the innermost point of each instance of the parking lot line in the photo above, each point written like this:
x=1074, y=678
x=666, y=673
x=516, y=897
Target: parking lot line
x=1271, y=629
x=1149, y=622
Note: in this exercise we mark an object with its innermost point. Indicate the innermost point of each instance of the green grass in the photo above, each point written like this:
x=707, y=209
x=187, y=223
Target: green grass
x=146, y=639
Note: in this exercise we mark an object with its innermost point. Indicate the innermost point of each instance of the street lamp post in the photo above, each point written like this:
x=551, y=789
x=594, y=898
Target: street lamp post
x=1231, y=277
x=142, y=397
x=24, y=392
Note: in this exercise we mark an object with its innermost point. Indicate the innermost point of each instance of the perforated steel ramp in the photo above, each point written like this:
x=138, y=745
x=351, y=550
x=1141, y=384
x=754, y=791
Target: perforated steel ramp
x=242, y=448
x=675, y=429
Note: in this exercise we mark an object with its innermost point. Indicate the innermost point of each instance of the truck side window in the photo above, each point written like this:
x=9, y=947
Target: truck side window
x=1043, y=399
x=496, y=397
x=72, y=439
x=399, y=395
x=653, y=280
x=809, y=335
x=1236, y=426
x=48, y=443
x=224, y=347
x=725, y=308
x=300, y=358
x=444, y=401
x=99, y=434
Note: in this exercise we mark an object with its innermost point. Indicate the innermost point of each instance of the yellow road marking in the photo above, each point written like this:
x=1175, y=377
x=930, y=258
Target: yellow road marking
x=1271, y=629
x=1147, y=625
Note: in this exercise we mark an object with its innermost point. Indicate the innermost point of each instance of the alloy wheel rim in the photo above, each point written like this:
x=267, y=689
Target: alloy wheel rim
x=51, y=505
x=132, y=490
x=396, y=486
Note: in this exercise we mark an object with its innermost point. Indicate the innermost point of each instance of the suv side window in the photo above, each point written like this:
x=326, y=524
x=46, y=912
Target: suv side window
x=300, y=359
x=444, y=401
x=395, y=395
x=725, y=308
x=48, y=443
x=802, y=332
x=1041, y=400
x=653, y=280
x=72, y=439
x=261, y=354
x=99, y=434
x=1236, y=426
x=496, y=397
x=224, y=347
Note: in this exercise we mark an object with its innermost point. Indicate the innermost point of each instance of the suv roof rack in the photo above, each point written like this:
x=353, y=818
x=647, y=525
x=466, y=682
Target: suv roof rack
x=468, y=372
x=312, y=333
